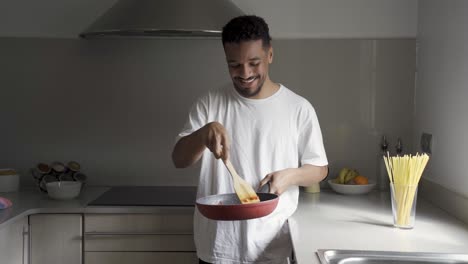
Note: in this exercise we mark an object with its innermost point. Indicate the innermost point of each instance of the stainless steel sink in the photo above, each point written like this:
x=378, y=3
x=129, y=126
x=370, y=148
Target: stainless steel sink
x=332, y=256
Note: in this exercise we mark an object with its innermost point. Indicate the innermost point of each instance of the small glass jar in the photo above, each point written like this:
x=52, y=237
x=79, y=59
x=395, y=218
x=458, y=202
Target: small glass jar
x=403, y=204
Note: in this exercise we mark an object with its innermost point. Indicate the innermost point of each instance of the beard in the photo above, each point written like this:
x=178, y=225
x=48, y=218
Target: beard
x=248, y=92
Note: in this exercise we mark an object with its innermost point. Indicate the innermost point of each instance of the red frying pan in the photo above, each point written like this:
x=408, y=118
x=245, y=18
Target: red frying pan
x=227, y=207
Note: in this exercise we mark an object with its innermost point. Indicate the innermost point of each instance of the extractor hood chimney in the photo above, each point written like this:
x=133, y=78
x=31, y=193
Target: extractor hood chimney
x=163, y=18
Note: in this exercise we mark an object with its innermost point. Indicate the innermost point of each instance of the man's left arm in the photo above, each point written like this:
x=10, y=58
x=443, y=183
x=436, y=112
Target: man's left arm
x=308, y=175
x=305, y=175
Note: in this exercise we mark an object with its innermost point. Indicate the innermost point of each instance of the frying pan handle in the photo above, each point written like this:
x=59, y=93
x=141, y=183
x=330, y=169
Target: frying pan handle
x=265, y=188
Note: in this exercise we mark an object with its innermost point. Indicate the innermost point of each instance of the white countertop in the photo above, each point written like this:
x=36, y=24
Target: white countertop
x=328, y=220
x=324, y=220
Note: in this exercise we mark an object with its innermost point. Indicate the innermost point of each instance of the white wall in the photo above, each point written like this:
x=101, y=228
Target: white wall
x=116, y=106
x=442, y=92
x=288, y=19
x=336, y=18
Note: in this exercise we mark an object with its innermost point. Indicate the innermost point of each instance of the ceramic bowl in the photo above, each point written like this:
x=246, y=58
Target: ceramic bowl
x=63, y=190
x=350, y=188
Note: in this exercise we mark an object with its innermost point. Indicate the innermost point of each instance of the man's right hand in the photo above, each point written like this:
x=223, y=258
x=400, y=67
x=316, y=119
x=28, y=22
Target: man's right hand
x=189, y=149
x=216, y=139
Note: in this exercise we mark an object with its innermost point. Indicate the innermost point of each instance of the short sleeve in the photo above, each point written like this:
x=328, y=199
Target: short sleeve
x=197, y=117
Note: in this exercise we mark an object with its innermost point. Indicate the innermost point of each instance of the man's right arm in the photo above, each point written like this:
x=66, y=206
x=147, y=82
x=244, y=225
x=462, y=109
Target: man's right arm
x=189, y=149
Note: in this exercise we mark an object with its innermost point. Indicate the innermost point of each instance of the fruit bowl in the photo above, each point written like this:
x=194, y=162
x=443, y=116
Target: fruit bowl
x=351, y=188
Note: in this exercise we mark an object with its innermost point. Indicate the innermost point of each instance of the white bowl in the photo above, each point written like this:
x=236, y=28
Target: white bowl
x=63, y=190
x=350, y=188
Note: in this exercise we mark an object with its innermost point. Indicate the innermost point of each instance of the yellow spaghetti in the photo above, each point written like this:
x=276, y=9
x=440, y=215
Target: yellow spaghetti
x=404, y=173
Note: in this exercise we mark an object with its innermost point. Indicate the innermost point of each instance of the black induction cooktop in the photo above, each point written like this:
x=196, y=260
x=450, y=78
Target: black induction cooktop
x=147, y=196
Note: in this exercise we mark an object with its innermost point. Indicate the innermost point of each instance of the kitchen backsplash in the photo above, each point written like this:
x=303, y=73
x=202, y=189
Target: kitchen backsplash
x=116, y=106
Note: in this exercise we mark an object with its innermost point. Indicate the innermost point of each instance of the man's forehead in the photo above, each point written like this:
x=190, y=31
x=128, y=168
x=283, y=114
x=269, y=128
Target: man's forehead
x=246, y=49
x=243, y=41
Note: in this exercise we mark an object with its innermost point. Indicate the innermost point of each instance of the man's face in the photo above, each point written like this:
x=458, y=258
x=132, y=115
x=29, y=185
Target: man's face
x=248, y=63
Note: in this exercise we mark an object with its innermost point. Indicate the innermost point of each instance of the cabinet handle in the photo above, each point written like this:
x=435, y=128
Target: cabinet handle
x=101, y=234
x=25, y=255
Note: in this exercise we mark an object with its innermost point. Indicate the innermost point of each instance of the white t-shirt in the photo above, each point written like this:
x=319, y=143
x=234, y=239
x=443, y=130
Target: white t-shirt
x=267, y=135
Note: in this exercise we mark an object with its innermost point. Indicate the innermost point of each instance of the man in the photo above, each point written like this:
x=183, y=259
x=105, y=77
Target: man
x=270, y=134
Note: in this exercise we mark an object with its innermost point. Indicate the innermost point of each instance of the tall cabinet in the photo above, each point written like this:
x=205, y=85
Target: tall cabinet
x=14, y=242
x=56, y=238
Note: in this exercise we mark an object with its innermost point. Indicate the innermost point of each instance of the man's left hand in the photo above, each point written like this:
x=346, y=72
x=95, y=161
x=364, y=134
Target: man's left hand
x=279, y=181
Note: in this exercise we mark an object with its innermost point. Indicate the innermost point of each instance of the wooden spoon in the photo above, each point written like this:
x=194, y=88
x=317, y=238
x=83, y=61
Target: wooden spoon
x=244, y=191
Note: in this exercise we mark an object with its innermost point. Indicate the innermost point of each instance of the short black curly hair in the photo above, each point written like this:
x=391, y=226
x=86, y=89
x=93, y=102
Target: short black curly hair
x=245, y=28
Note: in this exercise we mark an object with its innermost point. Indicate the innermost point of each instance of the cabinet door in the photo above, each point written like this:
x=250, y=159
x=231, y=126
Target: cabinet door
x=14, y=243
x=56, y=238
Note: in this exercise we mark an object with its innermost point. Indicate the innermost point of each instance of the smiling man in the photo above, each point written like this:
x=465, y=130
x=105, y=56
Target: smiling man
x=270, y=134
x=248, y=63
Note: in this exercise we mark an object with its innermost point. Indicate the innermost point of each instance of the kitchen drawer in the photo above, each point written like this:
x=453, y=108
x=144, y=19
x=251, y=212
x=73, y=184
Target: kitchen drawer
x=140, y=257
x=138, y=242
x=173, y=223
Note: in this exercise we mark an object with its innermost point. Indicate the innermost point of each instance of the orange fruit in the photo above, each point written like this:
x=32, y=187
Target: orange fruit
x=361, y=180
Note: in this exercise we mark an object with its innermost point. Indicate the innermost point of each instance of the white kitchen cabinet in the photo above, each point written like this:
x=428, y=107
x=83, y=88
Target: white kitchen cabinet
x=14, y=242
x=56, y=238
x=139, y=238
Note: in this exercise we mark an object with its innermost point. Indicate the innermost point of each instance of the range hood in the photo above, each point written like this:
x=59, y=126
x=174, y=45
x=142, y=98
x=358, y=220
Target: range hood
x=163, y=18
